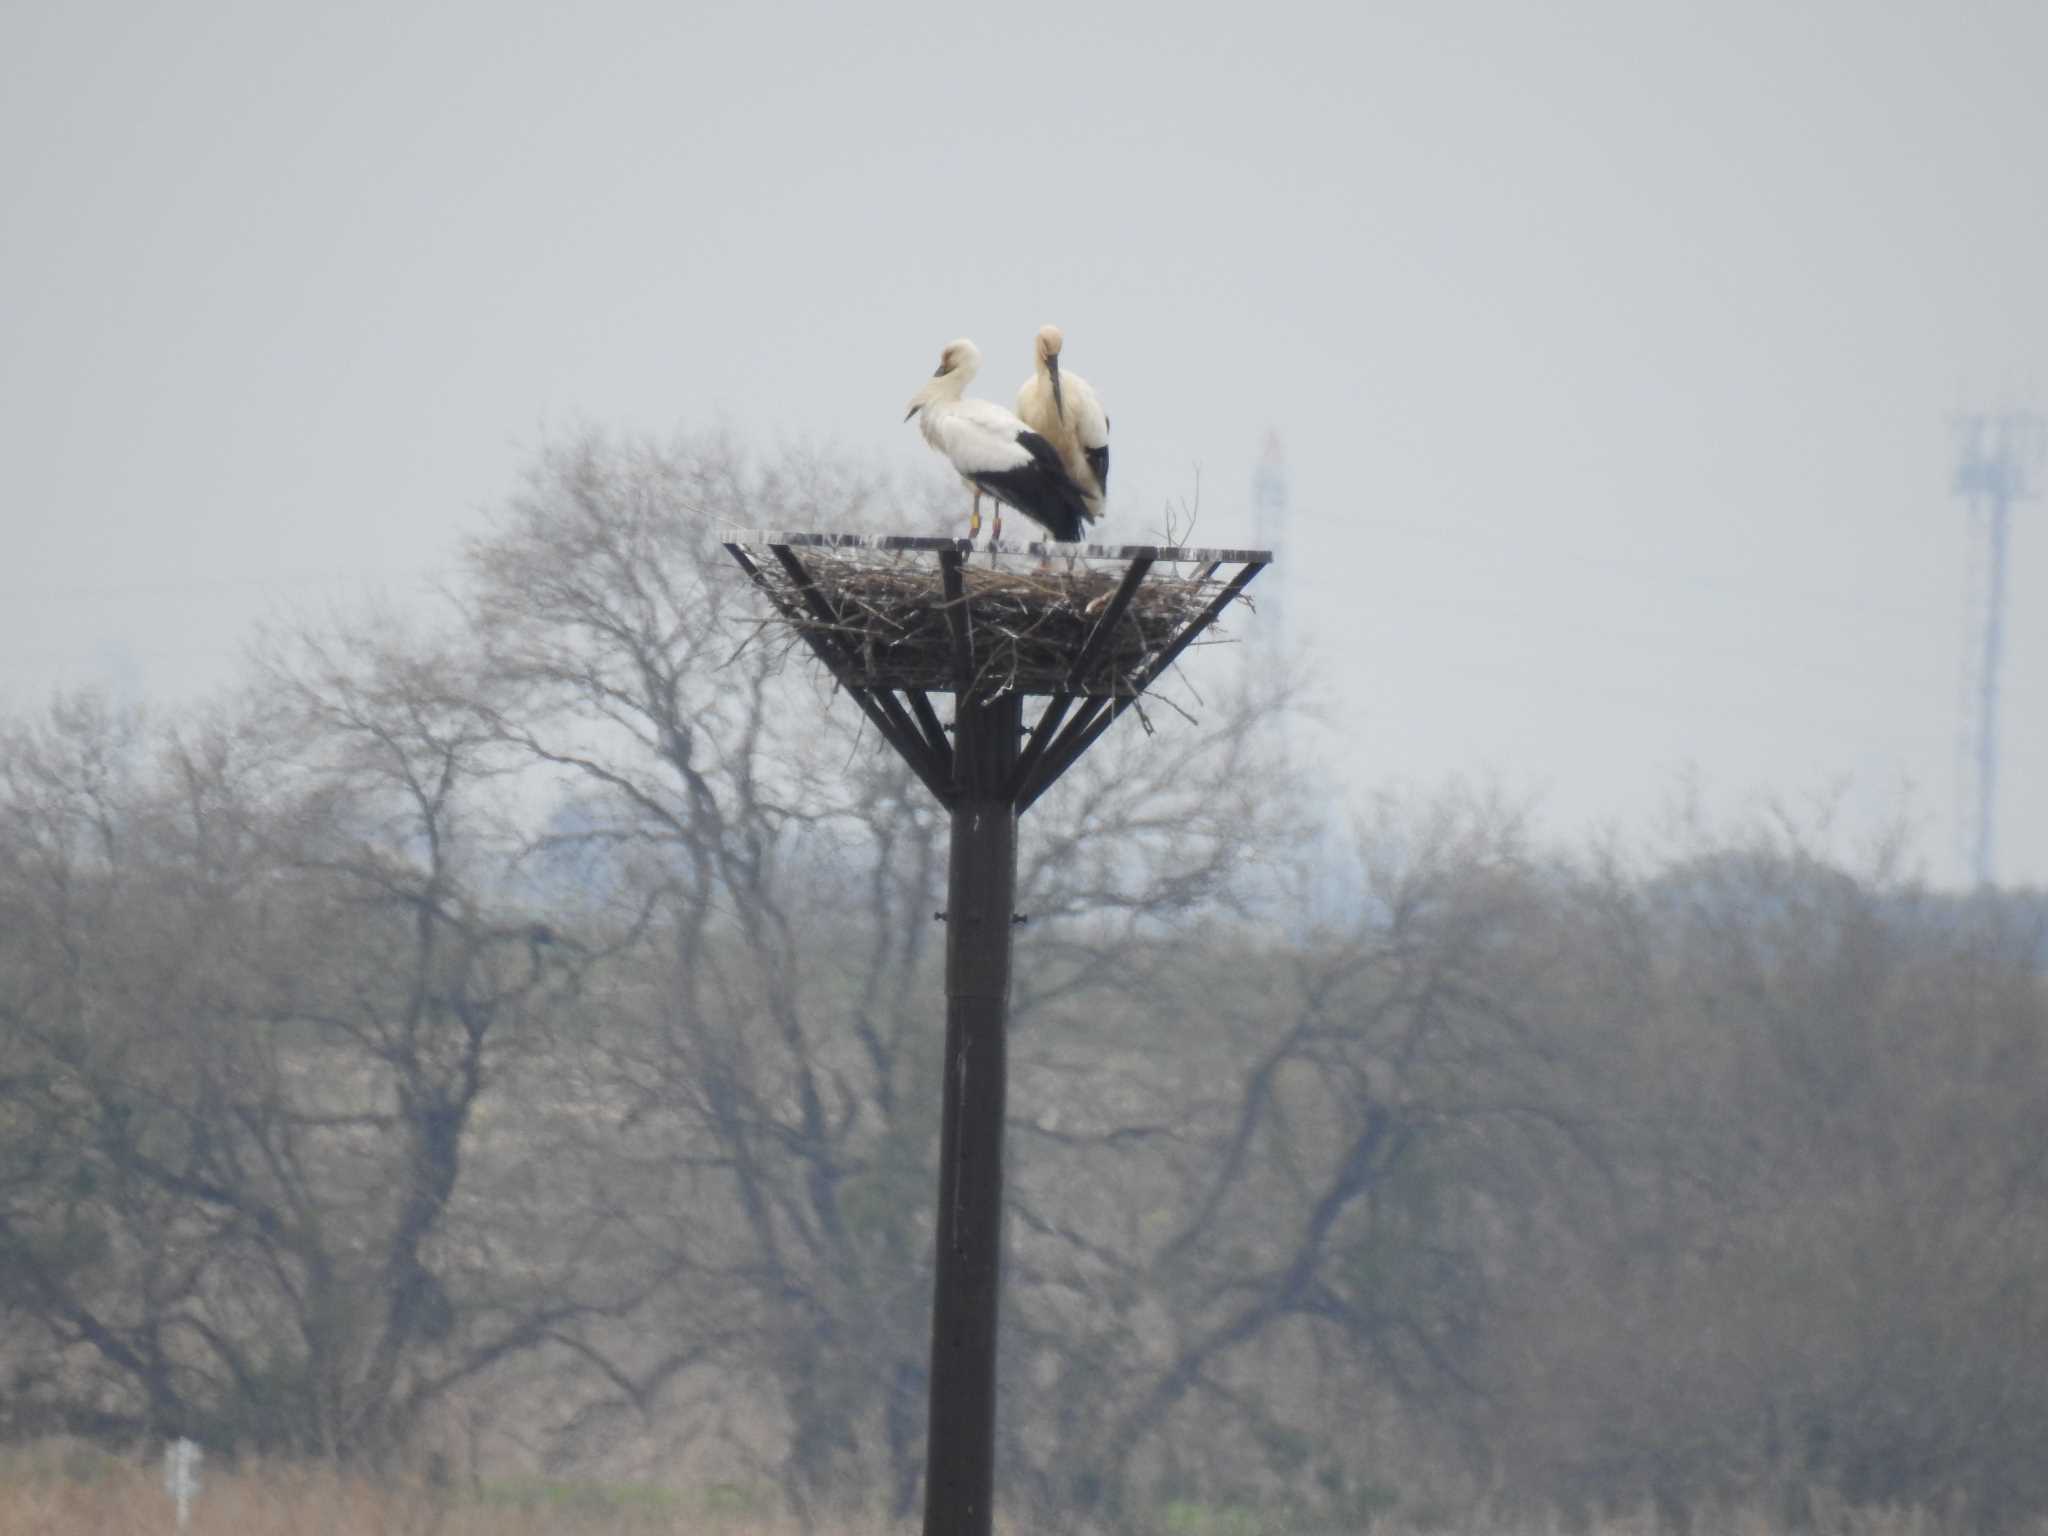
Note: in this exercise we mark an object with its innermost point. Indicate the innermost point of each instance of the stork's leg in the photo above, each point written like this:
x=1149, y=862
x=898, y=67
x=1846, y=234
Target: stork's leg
x=974, y=521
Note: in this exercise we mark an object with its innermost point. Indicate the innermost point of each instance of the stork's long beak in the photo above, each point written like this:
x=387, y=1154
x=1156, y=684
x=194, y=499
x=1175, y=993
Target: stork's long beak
x=1059, y=406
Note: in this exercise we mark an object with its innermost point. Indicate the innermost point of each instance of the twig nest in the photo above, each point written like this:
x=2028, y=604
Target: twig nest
x=1028, y=627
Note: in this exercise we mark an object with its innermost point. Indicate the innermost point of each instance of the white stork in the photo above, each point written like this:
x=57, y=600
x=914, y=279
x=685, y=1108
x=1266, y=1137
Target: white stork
x=1064, y=410
x=995, y=453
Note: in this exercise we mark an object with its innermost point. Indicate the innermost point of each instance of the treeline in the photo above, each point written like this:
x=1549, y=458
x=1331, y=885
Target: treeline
x=516, y=1042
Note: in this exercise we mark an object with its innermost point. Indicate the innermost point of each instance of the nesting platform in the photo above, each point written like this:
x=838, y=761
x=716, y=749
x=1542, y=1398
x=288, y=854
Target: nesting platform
x=1087, y=625
x=1088, y=628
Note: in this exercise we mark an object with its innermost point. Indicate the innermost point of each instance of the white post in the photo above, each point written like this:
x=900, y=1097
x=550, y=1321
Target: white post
x=181, y=1476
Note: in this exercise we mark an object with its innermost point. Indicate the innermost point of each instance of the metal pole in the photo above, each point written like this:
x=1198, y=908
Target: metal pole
x=967, y=1281
x=1987, y=685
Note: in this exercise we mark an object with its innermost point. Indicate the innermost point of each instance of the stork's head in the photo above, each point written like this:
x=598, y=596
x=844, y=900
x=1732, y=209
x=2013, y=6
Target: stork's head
x=1048, y=349
x=957, y=364
x=962, y=357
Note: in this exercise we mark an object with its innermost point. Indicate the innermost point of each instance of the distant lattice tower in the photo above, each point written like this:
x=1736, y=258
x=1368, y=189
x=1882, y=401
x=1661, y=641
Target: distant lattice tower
x=1272, y=510
x=1995, y=461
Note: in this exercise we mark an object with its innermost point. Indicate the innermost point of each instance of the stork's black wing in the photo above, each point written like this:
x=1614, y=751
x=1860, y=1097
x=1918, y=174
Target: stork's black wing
x=1040, y=489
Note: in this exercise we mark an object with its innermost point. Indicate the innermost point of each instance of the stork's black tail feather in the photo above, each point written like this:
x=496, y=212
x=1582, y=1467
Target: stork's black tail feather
x=1041, y=490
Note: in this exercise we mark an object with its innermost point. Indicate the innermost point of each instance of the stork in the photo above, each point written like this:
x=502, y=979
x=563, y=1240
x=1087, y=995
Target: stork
x=1064, y=410
x=995, y=453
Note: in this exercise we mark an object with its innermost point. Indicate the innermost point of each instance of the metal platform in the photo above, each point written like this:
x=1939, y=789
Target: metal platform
x=1094, y=648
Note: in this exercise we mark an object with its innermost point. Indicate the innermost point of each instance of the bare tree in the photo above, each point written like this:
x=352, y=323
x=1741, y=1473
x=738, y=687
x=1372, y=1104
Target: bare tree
x=258, y=996
x=1340, y=1130
x=1825, y=1278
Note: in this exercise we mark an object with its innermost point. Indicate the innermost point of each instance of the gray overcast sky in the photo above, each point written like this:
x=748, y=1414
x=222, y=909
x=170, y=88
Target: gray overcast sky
x=1612, y=344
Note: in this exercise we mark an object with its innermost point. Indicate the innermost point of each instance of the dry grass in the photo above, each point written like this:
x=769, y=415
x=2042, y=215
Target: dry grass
x=1028, y=625
x=74, y=1491
x=70, y=1491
